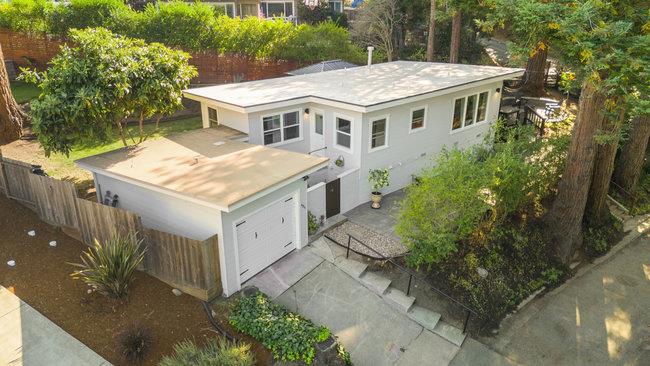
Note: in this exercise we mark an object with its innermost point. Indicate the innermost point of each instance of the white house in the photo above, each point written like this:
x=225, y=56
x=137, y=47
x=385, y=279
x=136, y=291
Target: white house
x=204, y=183
x=269, y=149
x=394, y=115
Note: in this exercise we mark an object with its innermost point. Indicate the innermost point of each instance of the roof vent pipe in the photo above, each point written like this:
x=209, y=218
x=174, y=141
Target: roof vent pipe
x=370, y=49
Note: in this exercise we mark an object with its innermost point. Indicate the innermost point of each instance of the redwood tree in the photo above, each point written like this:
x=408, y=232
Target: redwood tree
x=456, y=28
x=630, y=160
x=566, y=213
x=432, y=32
x=607, y=144
x=535, y=75
x=12, y=117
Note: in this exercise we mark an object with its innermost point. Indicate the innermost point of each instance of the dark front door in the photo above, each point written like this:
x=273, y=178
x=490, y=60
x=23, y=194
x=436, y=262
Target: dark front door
x=333, y=198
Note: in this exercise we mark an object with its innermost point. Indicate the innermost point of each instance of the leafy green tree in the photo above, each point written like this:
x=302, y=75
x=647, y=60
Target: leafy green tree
x=92, y=87
x=606, y=44
x=531, y=24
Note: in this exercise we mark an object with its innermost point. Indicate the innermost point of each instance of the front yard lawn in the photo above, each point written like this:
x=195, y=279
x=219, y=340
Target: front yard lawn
x=24, y=92
x=63, y=167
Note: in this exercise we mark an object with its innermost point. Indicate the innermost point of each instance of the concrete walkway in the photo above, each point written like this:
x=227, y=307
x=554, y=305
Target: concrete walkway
x=373, y=331
x=599, y=317
x=28, y=338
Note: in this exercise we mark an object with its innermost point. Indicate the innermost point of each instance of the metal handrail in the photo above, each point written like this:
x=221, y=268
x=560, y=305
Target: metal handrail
x=313, y=151
x=412, y=275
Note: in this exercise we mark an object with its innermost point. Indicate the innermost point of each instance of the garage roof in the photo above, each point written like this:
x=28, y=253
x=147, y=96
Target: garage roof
x=358, y=86
x=204, y=166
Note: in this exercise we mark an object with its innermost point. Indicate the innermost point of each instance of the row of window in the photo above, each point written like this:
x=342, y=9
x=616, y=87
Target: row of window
x=269, y=9
x=469, y=110
x=285, y=126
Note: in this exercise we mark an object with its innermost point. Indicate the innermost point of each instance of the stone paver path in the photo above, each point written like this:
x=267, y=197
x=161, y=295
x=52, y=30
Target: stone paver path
x=28, y=338
x=599, y=318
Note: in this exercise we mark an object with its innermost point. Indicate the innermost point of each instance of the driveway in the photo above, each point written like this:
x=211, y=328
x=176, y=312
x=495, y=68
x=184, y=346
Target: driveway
x=28, y=338
x=599, y=318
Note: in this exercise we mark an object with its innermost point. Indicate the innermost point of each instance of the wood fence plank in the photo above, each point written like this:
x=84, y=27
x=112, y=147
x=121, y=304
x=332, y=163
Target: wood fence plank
x=55, y=201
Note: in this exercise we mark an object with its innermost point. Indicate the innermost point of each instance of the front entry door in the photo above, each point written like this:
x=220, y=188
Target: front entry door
x=333, y=198
x=316, y=137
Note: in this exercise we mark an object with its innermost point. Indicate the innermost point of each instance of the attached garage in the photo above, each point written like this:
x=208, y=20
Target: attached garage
x=266, y=236
x=202, y=183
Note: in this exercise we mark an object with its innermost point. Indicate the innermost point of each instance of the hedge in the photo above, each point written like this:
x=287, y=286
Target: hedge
x=191, y=26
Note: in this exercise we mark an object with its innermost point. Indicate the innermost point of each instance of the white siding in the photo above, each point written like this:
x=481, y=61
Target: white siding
x=227, y=117
x=407, y=153
x=350, y=190
x=163, y=212
x=230, y=272
x=316, y=200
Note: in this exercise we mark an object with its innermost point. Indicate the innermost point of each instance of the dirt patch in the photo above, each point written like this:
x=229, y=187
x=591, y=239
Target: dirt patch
x=41, y=278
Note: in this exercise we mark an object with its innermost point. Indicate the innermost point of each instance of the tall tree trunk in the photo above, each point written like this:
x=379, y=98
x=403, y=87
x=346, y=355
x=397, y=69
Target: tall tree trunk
x=630, y=161
x=456, y=26
x=566, y=213
x=596, y=210
x=432, y=32
x=11, y=116
x=534, y=77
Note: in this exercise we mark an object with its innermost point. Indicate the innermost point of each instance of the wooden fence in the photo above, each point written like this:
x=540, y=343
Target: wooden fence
x=189, y=265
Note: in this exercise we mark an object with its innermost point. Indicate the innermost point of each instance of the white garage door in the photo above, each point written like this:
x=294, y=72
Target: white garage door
x=265, y=236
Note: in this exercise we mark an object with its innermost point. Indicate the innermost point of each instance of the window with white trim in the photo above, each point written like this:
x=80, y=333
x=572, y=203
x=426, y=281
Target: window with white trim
x=228, y=8
x=343, y=132
x=318, y=120
x=271, y=9
x=213, y=117
x=469, y=110
x=378, y=133
x=336, y=6
x=281, y=127
x=417, y=118
x=482, y=107
x=249, y=10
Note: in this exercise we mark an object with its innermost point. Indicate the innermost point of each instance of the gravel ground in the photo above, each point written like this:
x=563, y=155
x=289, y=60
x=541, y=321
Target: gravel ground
x=388, y=247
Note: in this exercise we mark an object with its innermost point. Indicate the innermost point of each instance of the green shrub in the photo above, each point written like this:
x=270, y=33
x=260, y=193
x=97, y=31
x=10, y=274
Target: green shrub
x=598, y=240
x=109, y=268
x=471, y=188
x=312, y=223
x=134, y=343
x=215, y=353
x=25, y=15
x=196, y=27
x=85, y=14
x=289, y=336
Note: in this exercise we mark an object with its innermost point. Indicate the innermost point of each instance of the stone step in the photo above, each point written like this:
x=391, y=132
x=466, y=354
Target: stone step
x=375, y=282
x=425, y=317
x=351, y=267
x=450, y=333
x=399, y=299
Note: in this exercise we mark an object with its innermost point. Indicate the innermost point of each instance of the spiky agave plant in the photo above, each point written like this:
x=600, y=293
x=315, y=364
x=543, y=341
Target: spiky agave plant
x=109, y=268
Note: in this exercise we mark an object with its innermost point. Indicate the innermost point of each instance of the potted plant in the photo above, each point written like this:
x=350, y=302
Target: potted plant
x=379, y=179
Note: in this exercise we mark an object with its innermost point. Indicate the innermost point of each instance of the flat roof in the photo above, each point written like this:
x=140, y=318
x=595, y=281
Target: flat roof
x=322, y=67
x=358, y=86
x=204, y=166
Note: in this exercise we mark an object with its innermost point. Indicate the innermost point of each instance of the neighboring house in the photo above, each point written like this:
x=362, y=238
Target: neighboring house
x=322, y=66
x=395, y=115
x=204, y=183
x=266, y=8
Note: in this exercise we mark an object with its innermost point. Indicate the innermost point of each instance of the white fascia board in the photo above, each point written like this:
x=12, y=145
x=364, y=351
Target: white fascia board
x=275, y=187
x=417, y=98
x=149, y=186
x=213, y=102
x=345, y=105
